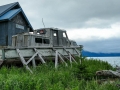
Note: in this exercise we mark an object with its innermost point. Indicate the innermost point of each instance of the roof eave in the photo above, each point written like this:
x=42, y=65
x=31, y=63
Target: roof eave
x=27, y=20
x=4, y=20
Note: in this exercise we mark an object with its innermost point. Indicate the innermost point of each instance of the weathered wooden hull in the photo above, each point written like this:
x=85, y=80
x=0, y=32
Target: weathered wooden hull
x=29, y=55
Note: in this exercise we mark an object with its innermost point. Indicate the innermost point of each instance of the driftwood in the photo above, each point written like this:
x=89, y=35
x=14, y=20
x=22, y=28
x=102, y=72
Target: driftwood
x=113, y=76
x=109, y=72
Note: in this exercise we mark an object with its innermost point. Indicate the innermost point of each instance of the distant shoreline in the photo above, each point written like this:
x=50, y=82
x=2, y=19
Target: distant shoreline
x=93, y=54
x=101, y=56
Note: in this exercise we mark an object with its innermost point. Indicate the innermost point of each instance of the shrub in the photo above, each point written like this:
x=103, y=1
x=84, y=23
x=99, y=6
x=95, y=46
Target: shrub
x=87, y=69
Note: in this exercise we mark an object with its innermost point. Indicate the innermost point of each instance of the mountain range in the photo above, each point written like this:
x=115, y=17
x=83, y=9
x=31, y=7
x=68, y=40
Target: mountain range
x=94, y=54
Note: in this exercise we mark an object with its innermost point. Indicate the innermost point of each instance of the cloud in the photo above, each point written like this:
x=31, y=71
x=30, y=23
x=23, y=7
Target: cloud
x=105, y=45
x=97, y=39
x=86, y=34
x=70, y=13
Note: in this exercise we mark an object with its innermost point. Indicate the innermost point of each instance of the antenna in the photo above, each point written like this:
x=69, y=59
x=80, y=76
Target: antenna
x=43, y=23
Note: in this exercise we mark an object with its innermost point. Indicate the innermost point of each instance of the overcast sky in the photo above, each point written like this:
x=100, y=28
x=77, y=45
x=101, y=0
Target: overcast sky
x=95, y=24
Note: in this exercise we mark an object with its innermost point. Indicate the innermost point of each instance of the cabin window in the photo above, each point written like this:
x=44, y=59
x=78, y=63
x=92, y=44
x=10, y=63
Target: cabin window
x=46, y=41
x=38, y=33
x=74, y=44
x=54, y=34
x=64, y=35
x=38, y=40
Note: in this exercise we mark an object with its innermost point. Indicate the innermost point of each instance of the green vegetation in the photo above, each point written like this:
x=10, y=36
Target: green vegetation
x=45, y=77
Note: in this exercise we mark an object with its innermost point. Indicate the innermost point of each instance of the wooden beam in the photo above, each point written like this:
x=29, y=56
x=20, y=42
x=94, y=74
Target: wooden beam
x=23, y=60
x=42, y=60
x=73, y=58
x=63, y=56
x=70, y=59
x=70, y=56
x=33, y=63
x=56, y=59
x=77, y=51
x=31, y=58
x=62, y=59
x=78, y=54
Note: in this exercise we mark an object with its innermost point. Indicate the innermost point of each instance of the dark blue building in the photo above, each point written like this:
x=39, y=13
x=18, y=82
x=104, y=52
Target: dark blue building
x=12, y=21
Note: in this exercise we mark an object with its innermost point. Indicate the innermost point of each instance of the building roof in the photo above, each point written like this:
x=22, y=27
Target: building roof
x=10, y=14
x=5, y=8
x=9, y=11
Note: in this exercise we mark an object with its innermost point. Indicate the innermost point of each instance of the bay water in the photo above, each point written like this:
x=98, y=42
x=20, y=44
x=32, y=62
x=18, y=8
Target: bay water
x=111, y=60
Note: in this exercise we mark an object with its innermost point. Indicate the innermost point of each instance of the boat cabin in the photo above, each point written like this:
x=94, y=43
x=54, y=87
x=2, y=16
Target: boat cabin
x=52, y=37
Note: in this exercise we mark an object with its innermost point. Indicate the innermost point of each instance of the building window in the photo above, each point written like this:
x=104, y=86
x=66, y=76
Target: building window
x=19, y=26
x=38, y=40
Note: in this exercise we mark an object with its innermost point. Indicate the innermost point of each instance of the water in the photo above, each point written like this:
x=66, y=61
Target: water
x=112, y=60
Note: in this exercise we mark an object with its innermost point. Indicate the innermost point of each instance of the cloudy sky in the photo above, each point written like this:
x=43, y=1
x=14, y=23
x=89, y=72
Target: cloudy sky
x=95, y=24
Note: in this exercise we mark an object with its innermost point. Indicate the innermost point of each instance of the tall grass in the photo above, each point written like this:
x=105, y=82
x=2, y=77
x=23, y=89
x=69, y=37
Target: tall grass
x=46, y=77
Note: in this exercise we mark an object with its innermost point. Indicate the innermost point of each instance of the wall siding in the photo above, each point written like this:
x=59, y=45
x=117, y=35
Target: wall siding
x=3, y=33
x=19, y=19
x=8, y=29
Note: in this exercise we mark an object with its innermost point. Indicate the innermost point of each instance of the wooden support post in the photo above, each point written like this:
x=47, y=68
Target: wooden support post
x=79, y=55
x=73, y=58
x=70, y=56
x=56, y=59
x=77, y=51
x=63, y=56
x=33, y=63
x=23, y=60
x=70, y=59
x=40, y=57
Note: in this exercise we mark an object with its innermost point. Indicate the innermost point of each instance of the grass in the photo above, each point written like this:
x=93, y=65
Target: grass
x=46, y=77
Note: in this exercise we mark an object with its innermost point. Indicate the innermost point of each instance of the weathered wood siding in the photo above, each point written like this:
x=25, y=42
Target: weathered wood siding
x=3, y=33
x=8, y=29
